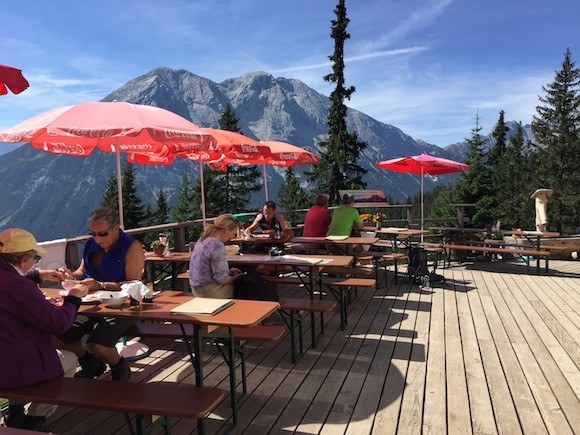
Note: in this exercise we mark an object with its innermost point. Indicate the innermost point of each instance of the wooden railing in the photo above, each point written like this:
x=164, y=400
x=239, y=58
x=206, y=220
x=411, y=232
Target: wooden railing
x=412, y=219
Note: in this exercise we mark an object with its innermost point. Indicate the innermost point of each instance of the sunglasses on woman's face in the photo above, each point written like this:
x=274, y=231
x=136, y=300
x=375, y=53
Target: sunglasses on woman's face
x=37, y=258
x=100, y=233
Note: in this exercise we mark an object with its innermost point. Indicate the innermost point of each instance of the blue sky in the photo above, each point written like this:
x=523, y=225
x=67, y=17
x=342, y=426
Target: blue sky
x=424, y=66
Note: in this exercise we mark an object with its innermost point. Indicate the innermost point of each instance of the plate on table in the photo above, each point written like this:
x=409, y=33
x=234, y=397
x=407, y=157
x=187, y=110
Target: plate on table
x=91, y=299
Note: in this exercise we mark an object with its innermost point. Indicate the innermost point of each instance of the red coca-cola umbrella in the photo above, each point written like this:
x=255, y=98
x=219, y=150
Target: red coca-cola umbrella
x=11, y=78
x=282, y=154
x=422, y=165
x=225, y=145
x=112, y=127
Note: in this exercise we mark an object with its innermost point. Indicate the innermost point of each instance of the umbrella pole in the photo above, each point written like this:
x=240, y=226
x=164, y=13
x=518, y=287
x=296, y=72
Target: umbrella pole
x=202, y=193
x=265, y=181
x=422, y=204
x=119, y=187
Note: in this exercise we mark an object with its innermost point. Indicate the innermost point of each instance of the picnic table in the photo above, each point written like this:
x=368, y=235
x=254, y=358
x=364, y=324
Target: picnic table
x=242, y=313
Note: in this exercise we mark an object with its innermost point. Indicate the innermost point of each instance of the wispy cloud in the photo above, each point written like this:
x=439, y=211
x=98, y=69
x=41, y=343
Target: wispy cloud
x=352, y=59
x=416, y=20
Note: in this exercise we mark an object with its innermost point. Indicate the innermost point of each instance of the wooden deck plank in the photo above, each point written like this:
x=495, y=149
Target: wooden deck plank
x=382, y=334
x=435, y=414
x=482, y=420
x=458, y=415
x=506, y=418
x=564, y=330
x=547, y=403
x=411, y=415
x=385, y=421
x=527, y=410
x=540, y=358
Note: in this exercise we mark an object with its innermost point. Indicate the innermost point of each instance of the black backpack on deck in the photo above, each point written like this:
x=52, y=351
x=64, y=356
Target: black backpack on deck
x=417, y=269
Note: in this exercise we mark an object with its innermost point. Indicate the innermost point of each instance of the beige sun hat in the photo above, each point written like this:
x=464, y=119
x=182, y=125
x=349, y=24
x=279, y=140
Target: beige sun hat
x=15, y=240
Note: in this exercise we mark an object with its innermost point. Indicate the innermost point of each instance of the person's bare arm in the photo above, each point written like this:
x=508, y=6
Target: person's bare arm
x=254, y=225
x=134, y=262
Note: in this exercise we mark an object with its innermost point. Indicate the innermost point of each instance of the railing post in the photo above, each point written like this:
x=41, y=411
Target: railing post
x=179, y=234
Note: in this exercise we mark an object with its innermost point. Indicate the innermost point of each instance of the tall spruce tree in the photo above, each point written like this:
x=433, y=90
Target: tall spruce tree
x=187, y=207
x=230, y=190
x=499, y=176
x=557, y=131
x=162, y=211
x=517, y=211
x=290, y=195
x=338, y=168
x=110, y=195
x=132, y=204
x=473, y=186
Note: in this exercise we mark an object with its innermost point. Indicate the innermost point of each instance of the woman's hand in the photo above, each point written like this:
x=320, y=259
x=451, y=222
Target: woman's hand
x=66, y=271
x=52, y=275
x=234, y=271
x=79, y=290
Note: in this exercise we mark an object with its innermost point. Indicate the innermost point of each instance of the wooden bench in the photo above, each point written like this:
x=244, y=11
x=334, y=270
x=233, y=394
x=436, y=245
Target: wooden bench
x=291, y=309
x=538, y=254
x=241, y=336
x=13, y=431
x=341, y=288
x=381, y=258
x=142, y=399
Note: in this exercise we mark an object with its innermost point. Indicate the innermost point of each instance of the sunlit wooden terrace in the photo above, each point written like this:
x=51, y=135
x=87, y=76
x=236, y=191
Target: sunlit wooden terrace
x=493, y=350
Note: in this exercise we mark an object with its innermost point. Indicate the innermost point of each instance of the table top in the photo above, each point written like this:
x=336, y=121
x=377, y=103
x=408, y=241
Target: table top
x=493, y=231
x=242, y=313
x=347, y=241
x=172, y=257
x=393, y=231
x=292, y=260
x=260, y=239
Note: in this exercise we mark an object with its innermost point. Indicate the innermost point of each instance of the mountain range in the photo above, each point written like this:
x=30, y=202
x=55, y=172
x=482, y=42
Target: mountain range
x=51, y=195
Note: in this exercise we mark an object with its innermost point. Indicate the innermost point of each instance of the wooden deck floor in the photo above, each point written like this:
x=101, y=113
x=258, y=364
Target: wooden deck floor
x=491, y=351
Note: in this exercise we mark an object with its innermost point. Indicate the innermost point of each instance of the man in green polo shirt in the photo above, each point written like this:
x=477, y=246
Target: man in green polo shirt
x=345, y=218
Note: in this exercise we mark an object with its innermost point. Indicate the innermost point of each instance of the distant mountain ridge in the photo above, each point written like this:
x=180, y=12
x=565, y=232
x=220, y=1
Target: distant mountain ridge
x=51, y=195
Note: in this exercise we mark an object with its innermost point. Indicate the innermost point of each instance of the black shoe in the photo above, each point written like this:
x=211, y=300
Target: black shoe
x=91, y=367
x=120, y=371
x=16, y=418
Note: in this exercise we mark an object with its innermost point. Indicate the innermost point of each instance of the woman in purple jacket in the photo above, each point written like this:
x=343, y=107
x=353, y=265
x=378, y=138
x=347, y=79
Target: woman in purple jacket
x=27, y=322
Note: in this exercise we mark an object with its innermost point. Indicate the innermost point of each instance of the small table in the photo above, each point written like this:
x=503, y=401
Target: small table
x=394, y=235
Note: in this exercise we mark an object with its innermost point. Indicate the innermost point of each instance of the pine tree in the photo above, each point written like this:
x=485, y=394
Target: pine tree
x=132, y=204
x=187, y=207
x=230, y=190
x=499, y=176
x=337, y=168
x=162, y=212
x=110, y=195
x=290, y=195
x=557, y=131
x=473, y=186
x=517, y=210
